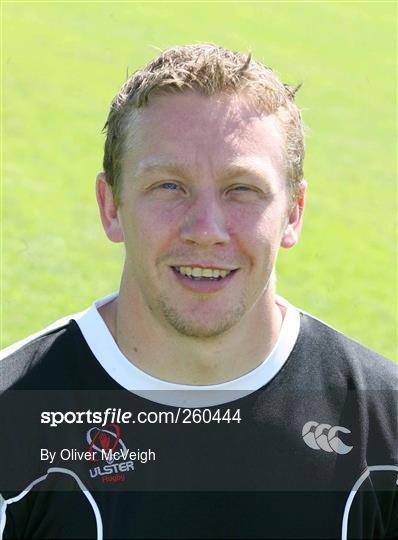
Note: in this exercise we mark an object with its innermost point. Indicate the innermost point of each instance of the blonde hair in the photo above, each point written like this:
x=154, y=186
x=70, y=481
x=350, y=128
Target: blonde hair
x=207, y=69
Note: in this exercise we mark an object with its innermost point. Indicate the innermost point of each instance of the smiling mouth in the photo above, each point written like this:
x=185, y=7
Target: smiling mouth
x=203, y=274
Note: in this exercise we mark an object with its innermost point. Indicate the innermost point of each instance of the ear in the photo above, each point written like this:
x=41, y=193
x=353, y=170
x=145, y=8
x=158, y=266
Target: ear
x=108, y=210
x=295, y=219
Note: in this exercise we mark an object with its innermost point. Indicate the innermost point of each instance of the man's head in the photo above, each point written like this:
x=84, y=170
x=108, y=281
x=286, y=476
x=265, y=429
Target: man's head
x=199, y=188
x=209, y=70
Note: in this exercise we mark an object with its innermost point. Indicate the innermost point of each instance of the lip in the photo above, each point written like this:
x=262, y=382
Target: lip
x=203, y=286
x=204, y=265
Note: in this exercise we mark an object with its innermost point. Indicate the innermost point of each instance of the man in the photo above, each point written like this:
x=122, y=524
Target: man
x=196, y=403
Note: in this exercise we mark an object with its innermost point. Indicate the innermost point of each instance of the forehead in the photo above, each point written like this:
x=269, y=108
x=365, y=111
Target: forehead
x=201, y=131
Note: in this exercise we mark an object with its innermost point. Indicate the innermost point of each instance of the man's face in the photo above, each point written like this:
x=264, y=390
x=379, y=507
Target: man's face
x=203, y=211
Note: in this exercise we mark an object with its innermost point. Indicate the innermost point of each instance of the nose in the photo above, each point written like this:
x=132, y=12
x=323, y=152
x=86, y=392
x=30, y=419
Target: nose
x=204, y=222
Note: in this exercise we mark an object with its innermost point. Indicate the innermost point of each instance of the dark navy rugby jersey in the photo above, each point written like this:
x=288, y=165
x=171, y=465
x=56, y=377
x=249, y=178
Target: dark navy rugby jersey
x=310, y=453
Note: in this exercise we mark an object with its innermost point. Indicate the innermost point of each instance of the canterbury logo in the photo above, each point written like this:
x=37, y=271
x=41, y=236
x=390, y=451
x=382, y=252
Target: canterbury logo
x=324, y=437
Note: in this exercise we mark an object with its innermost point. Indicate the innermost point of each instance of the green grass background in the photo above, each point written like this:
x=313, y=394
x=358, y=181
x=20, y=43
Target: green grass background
x=62, y=62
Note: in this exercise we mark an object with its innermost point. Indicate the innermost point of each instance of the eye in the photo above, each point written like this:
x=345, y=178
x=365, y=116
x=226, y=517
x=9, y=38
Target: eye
x=172, y=186
x=242, y=191
x=168, y=190
x=242, y=188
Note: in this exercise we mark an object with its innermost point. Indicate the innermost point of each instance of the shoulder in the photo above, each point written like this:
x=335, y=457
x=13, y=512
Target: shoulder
x=342, y=375
x=51, y=347
x=344, y=358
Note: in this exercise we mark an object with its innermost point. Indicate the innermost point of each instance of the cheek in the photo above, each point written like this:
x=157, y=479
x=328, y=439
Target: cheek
x=258, y=229
x=148, y=226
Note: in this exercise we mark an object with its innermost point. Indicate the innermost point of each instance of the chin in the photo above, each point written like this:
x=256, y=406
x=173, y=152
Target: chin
x=195, y=330
x=203, y=328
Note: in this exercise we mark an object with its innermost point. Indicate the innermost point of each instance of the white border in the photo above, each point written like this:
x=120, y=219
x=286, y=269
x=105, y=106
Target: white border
x=90, y=498
x=133, y=379
x=354, y=491
x=53, y=326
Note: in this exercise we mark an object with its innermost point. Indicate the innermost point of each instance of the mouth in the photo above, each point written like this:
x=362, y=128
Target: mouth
x=205, y=280
x=198, y=273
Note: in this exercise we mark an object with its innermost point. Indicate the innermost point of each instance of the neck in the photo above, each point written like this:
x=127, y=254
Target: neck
x=164, y=353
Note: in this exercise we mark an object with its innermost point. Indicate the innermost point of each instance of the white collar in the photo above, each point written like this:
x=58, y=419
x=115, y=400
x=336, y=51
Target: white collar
x=133, y=379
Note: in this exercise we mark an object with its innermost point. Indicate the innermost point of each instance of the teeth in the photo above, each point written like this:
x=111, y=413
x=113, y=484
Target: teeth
x=202, y=272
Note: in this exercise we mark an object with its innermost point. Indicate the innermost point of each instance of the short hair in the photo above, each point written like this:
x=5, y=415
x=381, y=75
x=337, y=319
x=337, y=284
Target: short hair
x=209, y=70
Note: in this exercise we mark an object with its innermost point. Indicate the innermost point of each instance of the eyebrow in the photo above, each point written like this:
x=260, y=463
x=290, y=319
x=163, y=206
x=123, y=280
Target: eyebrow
x=246, y=170
x=152, y=166
x=181, y=169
